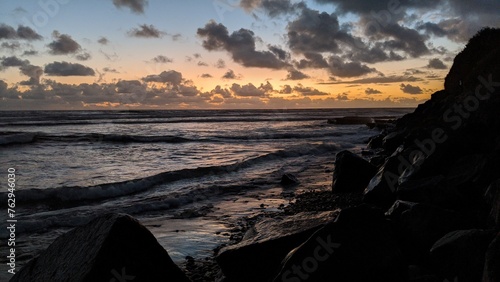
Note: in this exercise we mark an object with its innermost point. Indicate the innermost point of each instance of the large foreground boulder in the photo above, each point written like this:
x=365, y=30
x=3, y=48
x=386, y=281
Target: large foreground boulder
x=352, y=173
x=460, y=254
x=258, y=256
x=358, y=246
x=492, y=261
x=113, y=247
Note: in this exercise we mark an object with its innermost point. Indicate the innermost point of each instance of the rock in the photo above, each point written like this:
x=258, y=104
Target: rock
x=113, y=247
x=398, y=208
x=460, y=254
x=258, y=256
x=381, y=189
x=352, y=173
x=422, y=225
x=358, y=246
x=492, y=198
x=492, y=261
x=289, y=179
x=432, y=190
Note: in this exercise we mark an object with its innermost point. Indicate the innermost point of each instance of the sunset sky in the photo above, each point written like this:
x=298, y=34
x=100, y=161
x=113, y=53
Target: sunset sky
x=190, y=54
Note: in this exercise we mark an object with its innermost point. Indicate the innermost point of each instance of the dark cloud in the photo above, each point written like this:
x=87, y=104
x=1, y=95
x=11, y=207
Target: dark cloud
x=13, y=62
x=436, y=64
x=63, y=44
x=206, y=75
x=12, y=46
x=272, y=8
x=296, y=75
x=160, y=59
x=230, y=75
x=171, y=77
x=7, y=32
x=220, y=64
x=248, y=90
x=240, y=44
x=136, y=6
x=103, y=40
x=30, y=53
x=378, y=80
x=371, y=91
x=286, y=89
x=33, y=72
x=279, y=52
x=410, y=89
x=313, y=60
x=308, y=91
x=83, y=56
x=224, y=92
x=22, y=32
x=129, y=86
x=202, y=64
x=146, y=31
x=68, y=69
x=197, y=55
x=340, y=68
x=111, y=70
x=368, y=7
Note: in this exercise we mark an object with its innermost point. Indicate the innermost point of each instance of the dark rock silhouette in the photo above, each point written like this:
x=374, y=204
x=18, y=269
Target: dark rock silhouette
x=113, y=247
x=352, y=173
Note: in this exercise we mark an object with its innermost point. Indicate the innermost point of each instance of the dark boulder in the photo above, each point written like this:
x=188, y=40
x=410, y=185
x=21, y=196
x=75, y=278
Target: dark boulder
x=113, y=247
x=288, y=180
x=492, y=198
x=258, y=256
x=358, y=246
x=460, y=254
x=422, y=225
x=397, y=209
x=492, y=261
x=381, y=189
x=352, y=173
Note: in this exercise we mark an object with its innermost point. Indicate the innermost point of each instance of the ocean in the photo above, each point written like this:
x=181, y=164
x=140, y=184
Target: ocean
x=188, y=175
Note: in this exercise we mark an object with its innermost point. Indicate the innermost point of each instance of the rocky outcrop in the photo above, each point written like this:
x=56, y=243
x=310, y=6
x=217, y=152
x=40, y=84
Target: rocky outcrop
x=492, y=261
x=114, y=247
x=258, y=256
x=352, y=173
x=460, y=254
x=359, y=246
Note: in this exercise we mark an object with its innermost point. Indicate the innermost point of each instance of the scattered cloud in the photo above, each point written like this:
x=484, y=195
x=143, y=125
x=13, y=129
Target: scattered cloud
x=229, y=75
x=202, y=64
x=22, y=33
x=206, y=75
x=146, y=31
x=240, y=44
x=220, y=64
x=371, y=91
x=247, y=90
x=160, y=59
x=171, y=77
x=13, y=61
x=103, y=40
x=30, y=53
x=68, y=69
x=308, y=91
x=410, y=89
x=436, y=64
x=83, y=56
x=296, y=75
x=377, y=80
x=63, y=44
x=110, y=70
x=11, y=46
x=136, y=6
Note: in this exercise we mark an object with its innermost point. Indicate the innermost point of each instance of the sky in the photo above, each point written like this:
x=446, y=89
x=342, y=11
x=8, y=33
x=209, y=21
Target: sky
x=230, y=54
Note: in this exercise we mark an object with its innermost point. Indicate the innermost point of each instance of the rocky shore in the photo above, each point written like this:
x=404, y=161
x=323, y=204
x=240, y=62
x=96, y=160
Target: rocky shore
x=424, y=206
